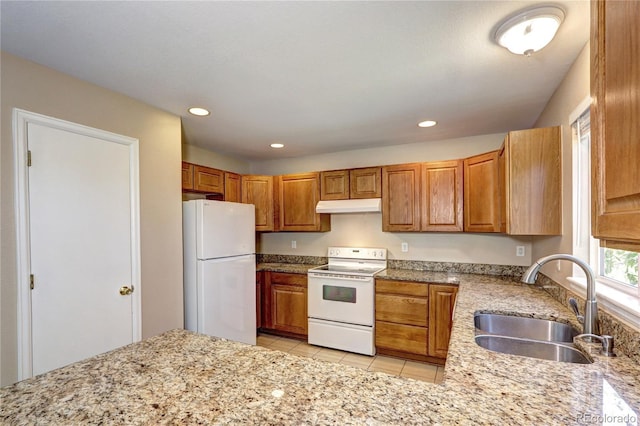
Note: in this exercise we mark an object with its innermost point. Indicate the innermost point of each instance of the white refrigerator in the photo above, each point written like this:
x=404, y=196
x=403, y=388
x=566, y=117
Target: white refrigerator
x=220, y=269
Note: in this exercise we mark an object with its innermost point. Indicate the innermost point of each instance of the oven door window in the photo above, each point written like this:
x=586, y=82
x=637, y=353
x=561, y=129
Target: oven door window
x=339, y=294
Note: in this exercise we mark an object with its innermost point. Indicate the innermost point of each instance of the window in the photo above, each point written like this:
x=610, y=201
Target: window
x=616, y=270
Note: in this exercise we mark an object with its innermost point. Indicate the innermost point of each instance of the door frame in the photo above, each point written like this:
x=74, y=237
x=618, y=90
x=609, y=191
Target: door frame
x=21, y=119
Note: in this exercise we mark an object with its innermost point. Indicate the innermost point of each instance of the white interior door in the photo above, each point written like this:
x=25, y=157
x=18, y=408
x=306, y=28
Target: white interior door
x=82, y=245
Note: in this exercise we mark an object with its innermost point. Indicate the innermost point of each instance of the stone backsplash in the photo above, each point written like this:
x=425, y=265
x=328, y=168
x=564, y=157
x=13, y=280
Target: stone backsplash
x=460, y=268
x=415, y=265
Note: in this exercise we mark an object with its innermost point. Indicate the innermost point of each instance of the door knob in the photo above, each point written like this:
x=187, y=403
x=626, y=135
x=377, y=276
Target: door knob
x=125, y=290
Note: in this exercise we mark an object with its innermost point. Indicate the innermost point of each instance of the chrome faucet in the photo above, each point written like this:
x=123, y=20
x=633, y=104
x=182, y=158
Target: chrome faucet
x=591, y=325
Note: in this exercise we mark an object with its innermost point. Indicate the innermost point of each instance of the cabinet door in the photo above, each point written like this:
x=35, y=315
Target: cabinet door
x=365, y=183
x=232, y=185
x=289, y=308
x=299, y=195
x=206, y=179
x=258, y=190
x=442, y=199
x=533, y=176
x=334, y=185
x=442, y=300
x=615, y=128
x=285, y=304
x=259, y=302
x=401, y=198
x=482, y=193
x=187, y=176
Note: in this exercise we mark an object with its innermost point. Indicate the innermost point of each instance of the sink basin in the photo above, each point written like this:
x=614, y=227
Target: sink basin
x=532, y=348
x=524, y=328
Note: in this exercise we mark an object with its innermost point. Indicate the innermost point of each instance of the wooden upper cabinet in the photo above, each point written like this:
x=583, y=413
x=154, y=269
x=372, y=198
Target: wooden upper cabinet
x=532, y=162
x=401, y=197
x=442, y=299
x=365, y=183
x=442, y=200
x=232, y=187
x=187, y=176
x=258, y=190
x=615, y=128
x=206, y=179
x=354, y=183
x=298, y=196
x=334, y=185
x=482, y=193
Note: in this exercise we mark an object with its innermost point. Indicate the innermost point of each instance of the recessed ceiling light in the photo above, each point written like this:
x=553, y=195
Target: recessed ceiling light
x=529, y=30
x=200, y=112
x=277, y=145
x=427, y=123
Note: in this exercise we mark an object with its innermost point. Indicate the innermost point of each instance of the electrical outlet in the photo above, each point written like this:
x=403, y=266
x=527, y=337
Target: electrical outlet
x=404, y=247
x=294, y=244
x=519, y=250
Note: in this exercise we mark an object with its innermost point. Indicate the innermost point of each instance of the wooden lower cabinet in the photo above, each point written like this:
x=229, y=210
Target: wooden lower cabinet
x=285, y=303
x=413, y=320
x=259, y=280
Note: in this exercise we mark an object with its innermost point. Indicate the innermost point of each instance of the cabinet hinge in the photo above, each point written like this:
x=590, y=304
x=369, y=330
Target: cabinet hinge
x=31, y=281
x=29, y=158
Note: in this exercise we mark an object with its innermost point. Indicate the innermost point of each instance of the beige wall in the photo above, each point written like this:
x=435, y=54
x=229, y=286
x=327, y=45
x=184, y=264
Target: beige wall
x=573, y=90
x=397, y=154
x=366, y=229
x=203, y=157
x=34, y=88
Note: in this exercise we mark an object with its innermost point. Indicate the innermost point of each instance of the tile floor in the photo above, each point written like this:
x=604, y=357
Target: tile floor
x=412, y=369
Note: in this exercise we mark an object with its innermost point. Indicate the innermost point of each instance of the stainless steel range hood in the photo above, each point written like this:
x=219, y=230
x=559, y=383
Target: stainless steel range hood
x=363, y=205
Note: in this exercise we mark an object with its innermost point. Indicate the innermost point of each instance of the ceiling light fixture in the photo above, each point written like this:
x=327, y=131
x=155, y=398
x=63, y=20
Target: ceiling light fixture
x=200, y=112
x=529, y=30
x=277, y=145
x=427, y=123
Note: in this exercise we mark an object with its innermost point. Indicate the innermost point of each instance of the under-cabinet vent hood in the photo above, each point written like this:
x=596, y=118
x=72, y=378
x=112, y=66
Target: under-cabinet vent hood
x=362, y=205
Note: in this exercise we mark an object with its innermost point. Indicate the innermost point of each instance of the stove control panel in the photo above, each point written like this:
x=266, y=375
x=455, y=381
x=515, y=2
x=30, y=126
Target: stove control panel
x=358, y=253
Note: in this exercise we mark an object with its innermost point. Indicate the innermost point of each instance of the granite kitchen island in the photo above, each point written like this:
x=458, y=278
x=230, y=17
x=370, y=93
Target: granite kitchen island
x=181, y=377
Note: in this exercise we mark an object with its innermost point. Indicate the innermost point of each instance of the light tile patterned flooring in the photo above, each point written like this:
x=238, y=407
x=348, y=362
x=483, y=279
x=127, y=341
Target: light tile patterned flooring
x=412, y=369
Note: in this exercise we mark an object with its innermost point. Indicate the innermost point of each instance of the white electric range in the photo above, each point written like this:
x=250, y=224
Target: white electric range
x=341, y=299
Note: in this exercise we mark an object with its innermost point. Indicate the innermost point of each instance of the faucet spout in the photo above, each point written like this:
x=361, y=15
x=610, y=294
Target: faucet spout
x=591, y=323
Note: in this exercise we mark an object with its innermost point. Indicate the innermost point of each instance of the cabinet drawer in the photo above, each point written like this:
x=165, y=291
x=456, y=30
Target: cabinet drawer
x=288, y=279
x=405, y=338
x=401, y=309
x=402, y=287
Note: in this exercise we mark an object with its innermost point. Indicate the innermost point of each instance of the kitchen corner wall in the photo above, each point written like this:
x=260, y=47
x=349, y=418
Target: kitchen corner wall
x=38, y=89
x=366, y=229
x=571, y=93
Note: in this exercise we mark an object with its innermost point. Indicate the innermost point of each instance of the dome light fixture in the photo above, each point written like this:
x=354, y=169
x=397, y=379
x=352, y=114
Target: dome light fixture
x=277, y=145
x=200, y=112
x=427, y=123
x=529, y=30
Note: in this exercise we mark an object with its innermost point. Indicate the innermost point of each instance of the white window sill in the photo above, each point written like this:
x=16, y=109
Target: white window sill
x=621, y=305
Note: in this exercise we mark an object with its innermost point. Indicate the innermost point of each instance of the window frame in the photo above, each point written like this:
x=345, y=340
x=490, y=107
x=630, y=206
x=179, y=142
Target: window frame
x=618, y=298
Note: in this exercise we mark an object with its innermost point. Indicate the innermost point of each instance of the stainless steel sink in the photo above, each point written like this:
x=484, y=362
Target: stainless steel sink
x=532, y=348
x=524, y=328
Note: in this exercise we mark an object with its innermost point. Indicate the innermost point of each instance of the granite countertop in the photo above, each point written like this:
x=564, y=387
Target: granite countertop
x=291, y=268
x=186, y=378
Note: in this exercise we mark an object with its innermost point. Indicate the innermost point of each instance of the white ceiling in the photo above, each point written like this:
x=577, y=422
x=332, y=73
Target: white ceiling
x=317, y=76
